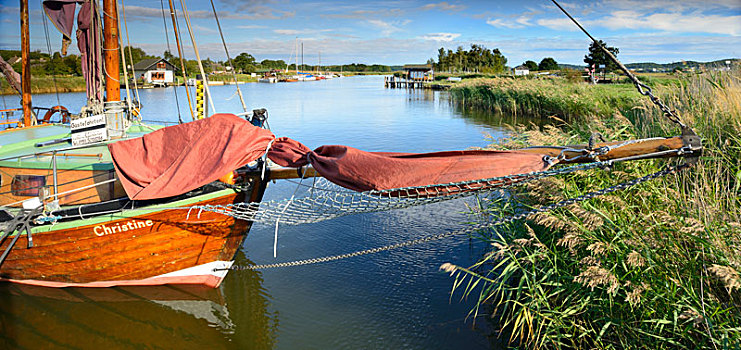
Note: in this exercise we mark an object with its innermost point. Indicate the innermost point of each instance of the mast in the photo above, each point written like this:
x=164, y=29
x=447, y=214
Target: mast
x=25, y=65
x=110, y=51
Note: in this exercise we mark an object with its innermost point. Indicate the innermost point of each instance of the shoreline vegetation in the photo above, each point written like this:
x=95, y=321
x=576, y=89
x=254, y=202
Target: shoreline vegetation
x=46, y=84
x=655, y=266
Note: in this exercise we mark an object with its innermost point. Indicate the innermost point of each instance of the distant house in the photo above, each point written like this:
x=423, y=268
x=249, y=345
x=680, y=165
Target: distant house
x=156, y=71
x=420, y=72
x=522, y=70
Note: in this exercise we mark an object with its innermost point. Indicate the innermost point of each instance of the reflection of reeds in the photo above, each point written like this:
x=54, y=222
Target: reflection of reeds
x=654, y=267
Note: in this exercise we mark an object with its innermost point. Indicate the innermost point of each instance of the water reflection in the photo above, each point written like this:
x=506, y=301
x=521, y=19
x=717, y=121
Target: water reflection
x=168, y=317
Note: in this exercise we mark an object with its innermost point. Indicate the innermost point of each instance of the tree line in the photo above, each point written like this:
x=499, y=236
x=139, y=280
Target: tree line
x=478, y=59
x=56, y=64
x=546, y=64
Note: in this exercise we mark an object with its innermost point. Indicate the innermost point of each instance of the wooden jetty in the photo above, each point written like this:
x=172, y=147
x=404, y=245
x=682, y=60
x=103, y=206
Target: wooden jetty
x=415, y=75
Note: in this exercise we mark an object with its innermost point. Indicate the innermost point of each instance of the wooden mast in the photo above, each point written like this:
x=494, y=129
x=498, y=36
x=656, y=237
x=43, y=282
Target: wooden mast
x=25, y=65
x=110, y=51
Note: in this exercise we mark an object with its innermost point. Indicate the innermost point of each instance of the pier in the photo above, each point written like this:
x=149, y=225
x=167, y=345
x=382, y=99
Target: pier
x=396, y=82
x=415, y=75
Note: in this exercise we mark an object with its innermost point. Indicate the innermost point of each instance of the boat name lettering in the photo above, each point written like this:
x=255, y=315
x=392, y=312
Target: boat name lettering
x=102, y=230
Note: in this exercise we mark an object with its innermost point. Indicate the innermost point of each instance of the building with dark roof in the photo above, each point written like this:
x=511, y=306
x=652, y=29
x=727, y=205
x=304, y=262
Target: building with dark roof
x=155, y=71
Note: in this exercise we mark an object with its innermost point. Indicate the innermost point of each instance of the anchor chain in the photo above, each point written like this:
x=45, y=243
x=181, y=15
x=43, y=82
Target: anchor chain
x=668, y=170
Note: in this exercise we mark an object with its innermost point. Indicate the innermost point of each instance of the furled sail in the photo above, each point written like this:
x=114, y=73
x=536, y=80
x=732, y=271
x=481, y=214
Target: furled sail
x=180, y=158
x=89, y=40
x=11, y=76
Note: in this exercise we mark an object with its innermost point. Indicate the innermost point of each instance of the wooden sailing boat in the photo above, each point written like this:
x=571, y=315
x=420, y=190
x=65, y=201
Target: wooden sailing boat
x=92, y=241
x=119, y=213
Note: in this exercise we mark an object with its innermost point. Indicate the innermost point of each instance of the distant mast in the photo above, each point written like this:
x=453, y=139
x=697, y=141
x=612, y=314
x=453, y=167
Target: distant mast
x=25, y=65
x=110, y=51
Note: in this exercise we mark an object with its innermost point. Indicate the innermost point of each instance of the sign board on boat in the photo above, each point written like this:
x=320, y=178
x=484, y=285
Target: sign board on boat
x=89, y=130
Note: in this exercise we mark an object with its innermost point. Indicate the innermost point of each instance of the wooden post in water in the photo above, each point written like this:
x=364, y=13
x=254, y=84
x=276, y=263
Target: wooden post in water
x=25, y=65
x=110, y=51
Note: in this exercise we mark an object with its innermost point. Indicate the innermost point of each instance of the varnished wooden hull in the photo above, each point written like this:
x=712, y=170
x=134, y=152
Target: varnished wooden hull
x=168, y=246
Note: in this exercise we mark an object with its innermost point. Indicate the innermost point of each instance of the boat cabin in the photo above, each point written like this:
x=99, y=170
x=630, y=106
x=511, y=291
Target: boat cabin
x=155, y=71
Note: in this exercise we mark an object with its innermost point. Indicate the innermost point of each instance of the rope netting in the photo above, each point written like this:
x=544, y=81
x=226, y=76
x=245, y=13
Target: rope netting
x=318, y=199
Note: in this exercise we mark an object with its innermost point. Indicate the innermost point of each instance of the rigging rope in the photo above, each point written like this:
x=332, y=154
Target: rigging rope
x=642, y=88
x=131, y=57
x=229, y=59
x=123, y=64
x=198, y=56
x=48, y=48
x=178, y=41
x=167, y=39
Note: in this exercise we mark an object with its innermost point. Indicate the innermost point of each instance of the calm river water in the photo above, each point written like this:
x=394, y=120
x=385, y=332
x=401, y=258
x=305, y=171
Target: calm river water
x=391, y=300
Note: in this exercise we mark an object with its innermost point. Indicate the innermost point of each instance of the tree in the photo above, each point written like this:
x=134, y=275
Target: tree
x=168, y=56
x=477, y=59
x=598, y=57
x=272, y=64
x=244, y=62
x=531, y=65
x=548, y=63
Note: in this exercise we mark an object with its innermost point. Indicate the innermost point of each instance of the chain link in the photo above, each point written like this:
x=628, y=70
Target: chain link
x=645, y=90
x=481, y=226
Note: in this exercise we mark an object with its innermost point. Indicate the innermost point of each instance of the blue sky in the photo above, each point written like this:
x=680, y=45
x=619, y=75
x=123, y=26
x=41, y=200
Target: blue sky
x=408, y=31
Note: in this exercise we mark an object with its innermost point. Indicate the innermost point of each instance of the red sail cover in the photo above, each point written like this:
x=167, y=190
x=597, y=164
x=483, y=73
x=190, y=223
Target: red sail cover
x=180, y=158
x=363, y=171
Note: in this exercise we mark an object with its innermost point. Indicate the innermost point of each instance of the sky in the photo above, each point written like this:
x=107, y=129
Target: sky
x=395, y=32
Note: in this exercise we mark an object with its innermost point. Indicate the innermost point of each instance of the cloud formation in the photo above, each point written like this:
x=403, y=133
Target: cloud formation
x=447, y=37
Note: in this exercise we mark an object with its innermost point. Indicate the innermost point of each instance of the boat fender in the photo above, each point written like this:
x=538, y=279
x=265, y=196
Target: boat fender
x=229, y=178
x=62, y=111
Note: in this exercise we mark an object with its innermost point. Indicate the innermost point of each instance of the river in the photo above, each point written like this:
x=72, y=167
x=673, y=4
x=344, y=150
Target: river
x=391, y=300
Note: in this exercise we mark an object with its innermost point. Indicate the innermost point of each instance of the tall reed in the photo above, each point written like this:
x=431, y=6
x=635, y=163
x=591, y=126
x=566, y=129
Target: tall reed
x=654, y=267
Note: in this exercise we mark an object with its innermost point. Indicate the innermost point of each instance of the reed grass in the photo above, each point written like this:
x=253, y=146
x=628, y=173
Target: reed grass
x=653, y=267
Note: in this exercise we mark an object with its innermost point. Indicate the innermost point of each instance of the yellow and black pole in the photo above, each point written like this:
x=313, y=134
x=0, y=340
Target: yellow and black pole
x=201, y=100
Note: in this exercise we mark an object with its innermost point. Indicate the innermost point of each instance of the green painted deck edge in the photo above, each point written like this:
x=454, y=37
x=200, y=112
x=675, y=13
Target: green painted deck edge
x=128, y=213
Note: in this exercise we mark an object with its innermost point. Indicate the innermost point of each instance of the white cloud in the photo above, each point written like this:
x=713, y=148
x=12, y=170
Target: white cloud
x=670, y=5
x=251, y=26
x=668, y=22
x=444, y=6
x=388, y=28
x=287, y=31
x=140, y=13
x=441, y=36
x=364, y=14
x=676, y=22
x=559, y=24
x=519, y=22
x=300, y=32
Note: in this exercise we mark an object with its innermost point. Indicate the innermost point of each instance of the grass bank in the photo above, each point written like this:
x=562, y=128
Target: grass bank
x=655, y=266
x=47, y=84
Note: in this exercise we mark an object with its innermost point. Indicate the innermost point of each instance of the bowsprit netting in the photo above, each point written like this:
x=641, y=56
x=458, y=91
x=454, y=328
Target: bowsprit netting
x=318, y=199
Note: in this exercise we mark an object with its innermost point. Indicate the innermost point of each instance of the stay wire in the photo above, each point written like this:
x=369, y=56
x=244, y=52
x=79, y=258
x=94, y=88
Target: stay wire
x=178, y=42
x=229, y=58
x=167, y=39
x=48, y=47
x=642, y=88
x=131, y=57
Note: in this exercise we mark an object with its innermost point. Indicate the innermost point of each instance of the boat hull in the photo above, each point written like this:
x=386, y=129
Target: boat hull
x=146, y=247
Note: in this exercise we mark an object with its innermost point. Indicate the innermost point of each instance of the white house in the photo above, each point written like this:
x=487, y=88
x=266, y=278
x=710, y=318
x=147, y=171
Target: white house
x=521, y=70
x=155, y=71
